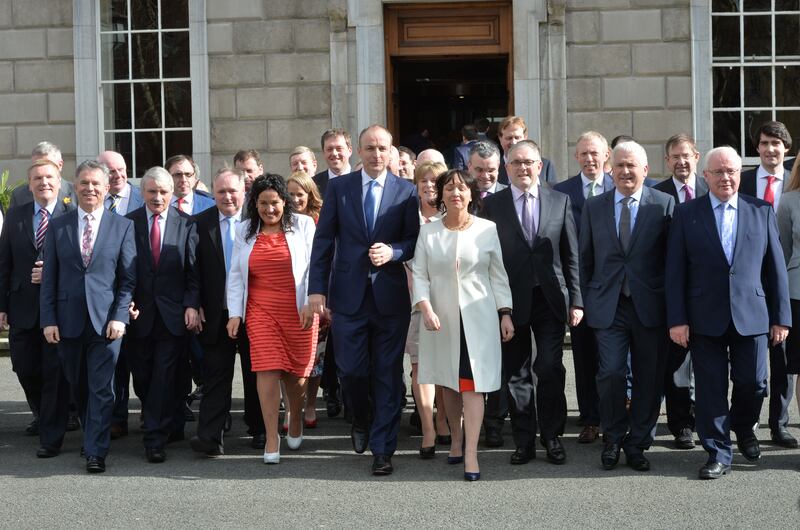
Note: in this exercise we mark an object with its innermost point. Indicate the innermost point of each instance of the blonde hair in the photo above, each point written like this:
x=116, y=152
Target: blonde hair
x=437, y=168
x=314, y=205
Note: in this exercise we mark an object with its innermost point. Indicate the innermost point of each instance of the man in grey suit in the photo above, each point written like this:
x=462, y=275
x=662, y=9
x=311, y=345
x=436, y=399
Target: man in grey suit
x=681, y=156
x=51, y=152
x=623, y=241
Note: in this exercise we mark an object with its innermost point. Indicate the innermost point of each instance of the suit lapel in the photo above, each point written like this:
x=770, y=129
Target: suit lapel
x=102, y=230
x=545, y=205
x=143, y=234
x=576, y=194
x=641, y=216
x=387, y=199
x=171, y=227
x=710, y=222
x=610, y=216
x=509, y=210
x=27, y=227
x=745, y=213
x=216, y=236
x=355, y=199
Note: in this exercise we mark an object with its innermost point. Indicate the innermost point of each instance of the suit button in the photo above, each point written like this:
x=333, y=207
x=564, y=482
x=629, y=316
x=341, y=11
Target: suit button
x=731, y=273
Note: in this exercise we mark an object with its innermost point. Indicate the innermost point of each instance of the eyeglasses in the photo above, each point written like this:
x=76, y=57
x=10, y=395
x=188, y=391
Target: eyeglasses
x=179, y=175
x=723, y=172
x=523, y=163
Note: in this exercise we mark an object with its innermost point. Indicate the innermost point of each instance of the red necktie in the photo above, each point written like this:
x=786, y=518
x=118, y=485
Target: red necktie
x=155, y=240
x=769, y=193
x=180, y=204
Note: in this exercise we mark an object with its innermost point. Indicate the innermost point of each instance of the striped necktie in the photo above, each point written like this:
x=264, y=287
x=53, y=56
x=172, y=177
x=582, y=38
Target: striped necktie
x=41, y=230
x=115, y=200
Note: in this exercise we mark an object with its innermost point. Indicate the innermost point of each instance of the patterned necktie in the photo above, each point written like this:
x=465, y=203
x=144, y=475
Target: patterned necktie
x=769, y=193
x=725, y=222
x=42, y=229
x=155, y=240
x=369, y=207
x=228, y=243
x=86, y=240
x=687, y=193
x=115, y=200
x=527, y=217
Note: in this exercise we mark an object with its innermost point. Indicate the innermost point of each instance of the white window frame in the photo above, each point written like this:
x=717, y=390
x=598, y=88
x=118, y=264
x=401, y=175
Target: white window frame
x=89, y=126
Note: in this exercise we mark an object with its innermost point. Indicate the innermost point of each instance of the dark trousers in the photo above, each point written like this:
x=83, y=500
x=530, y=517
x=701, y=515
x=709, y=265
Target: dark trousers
x=370, y=356
x=678, y=399
x=781, y=388
x=546, y=402
x=154, y=364
x=88, y=362
x=584, y=357
x=330, y=378
x=122, y=383
x=38, y=369
x=748, y=371
x=219, y=360
x=495, y=411
x=647, y=346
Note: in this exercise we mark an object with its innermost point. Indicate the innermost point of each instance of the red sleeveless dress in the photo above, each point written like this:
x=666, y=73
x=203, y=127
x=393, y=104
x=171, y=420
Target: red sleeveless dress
x=277, y=338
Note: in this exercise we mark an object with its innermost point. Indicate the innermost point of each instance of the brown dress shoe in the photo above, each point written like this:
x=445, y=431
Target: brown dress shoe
x=589, y=434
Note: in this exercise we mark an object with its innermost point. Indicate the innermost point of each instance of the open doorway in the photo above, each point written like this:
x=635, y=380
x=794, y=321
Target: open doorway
x=441, y=94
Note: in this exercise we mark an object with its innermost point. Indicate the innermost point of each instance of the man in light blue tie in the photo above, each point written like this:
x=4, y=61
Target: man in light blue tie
x=727, y=297
x=216, y=228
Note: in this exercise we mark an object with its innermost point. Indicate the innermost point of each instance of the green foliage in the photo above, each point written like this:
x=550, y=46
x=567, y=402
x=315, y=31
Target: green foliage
x=5, y=190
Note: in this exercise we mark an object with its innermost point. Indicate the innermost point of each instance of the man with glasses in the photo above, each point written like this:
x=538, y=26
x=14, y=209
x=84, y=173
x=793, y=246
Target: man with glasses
x=184, y=176
x=727, y=293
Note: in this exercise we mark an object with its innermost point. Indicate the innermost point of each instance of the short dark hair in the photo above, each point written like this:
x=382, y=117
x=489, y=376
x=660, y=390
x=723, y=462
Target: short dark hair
x=621, y=138
x=775, y=129
x=445, y=178
x=333, y=133
x=680, y=138
x=411, y=154
x=469, y=132
x=482, y=124
x=484, y=149
x=262, y=183
x=246, y=154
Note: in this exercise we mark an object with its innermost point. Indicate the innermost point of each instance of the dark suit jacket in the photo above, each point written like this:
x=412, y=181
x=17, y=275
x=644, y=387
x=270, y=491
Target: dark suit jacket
x=172, y=286
x=667, y=186
x=341, y=243
x=573, y=187
x=705, y=292
x=103, y=290
x=553, y=258
x=321, y=180
x=548, y=173
x=18, y=296
x=603, y=263
x=461, y=155
x=22, y=194
x=211, y=269
x=749, y=186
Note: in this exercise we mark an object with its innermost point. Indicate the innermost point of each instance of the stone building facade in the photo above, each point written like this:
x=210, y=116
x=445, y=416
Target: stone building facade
x=272, y=74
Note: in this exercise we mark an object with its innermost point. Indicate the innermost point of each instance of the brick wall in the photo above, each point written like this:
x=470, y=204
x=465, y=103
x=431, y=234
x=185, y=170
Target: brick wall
x=36, y=81
x=629, y=71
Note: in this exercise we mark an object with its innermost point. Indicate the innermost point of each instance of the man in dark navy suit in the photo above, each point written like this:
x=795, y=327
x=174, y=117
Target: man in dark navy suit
x=469, y=135
x=510, y=131
x=34, y=360
x=88, y=278
x=167, y=300
x=623, y=249
x=591, y=152
x=767, y=181
x=684, y=184
x=727, y=297
x=367, y=229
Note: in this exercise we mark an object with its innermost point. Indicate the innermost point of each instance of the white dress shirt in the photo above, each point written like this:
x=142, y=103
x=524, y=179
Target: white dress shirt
x=691, y=183
x=587, y=184
x=777, y=187
x=345, y=170
x=97, y=215
x=124, y=199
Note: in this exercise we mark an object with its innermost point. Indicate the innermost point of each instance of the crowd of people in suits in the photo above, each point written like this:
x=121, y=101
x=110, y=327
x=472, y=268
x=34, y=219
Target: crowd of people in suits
x=327, y=279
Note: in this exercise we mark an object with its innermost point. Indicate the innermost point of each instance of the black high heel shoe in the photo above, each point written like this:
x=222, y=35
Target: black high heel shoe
x=472, y=477
x=427, y=453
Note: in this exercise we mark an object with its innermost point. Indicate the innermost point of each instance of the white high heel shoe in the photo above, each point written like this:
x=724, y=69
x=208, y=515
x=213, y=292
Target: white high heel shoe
x=294, y=443
x=273, y=458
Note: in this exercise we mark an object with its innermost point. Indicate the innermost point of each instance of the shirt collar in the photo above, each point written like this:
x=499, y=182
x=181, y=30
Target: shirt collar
x=50, y=207
x=691, y=182
x=761, y=172
x=97, y=214
x=345, y=170
x=236, y=217
x=124, y=192
x=189, y=199
x=517, y=193
x=733, y=201
x=598, y=181
x=636, y=196
x=380, y=179
x=150, y=214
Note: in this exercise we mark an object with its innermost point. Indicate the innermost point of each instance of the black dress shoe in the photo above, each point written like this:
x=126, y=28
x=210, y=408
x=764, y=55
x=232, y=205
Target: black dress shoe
x=360, y=439
x=155, y=455
x=713, y=470
x=610, y=455
x=748, y=446
x=73, y=423
x=83, y=452
x=46, y=452
x=637, y=461
x=33, y=427
x=333, y=407
x=783, y=438
x=415, y=421
x=685, y=439
x=493, y=439
x=206, y=446
x=119, y=430
x=443, y=439
x=382, y=465
x=472, y=477
x=188, y=414
x=427, y=453
x=555, y=451
x=259, y=440
x=228, y=423
x=176, y=437
x=522, y=455
x=95, y=464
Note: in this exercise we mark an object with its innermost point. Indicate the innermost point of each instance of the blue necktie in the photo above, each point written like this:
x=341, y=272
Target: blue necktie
x=369, y=207
x=726, y=229
x=228, y=242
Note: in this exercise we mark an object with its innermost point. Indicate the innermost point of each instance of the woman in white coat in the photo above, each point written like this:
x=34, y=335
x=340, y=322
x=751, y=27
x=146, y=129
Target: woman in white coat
x=460, y=286
x=267, y=289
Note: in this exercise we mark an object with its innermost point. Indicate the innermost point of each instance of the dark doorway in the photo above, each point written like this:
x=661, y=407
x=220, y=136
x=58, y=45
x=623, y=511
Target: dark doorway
x=442, y=94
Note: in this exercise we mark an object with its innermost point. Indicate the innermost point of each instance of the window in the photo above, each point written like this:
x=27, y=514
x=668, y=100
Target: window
x=145, y=80
x=755, y=67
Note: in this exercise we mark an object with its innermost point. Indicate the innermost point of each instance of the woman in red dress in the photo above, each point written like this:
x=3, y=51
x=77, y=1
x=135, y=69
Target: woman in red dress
x=267, y=288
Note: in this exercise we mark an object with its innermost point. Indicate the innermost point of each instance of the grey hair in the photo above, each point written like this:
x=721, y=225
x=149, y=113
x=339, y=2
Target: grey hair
x=524, y=143
x=484, y=150
x=719, y=150
x=160, y=176
x=46, y=150
x=224, y=171
x=633, y=148
x=92, y=165
x=301, y=149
